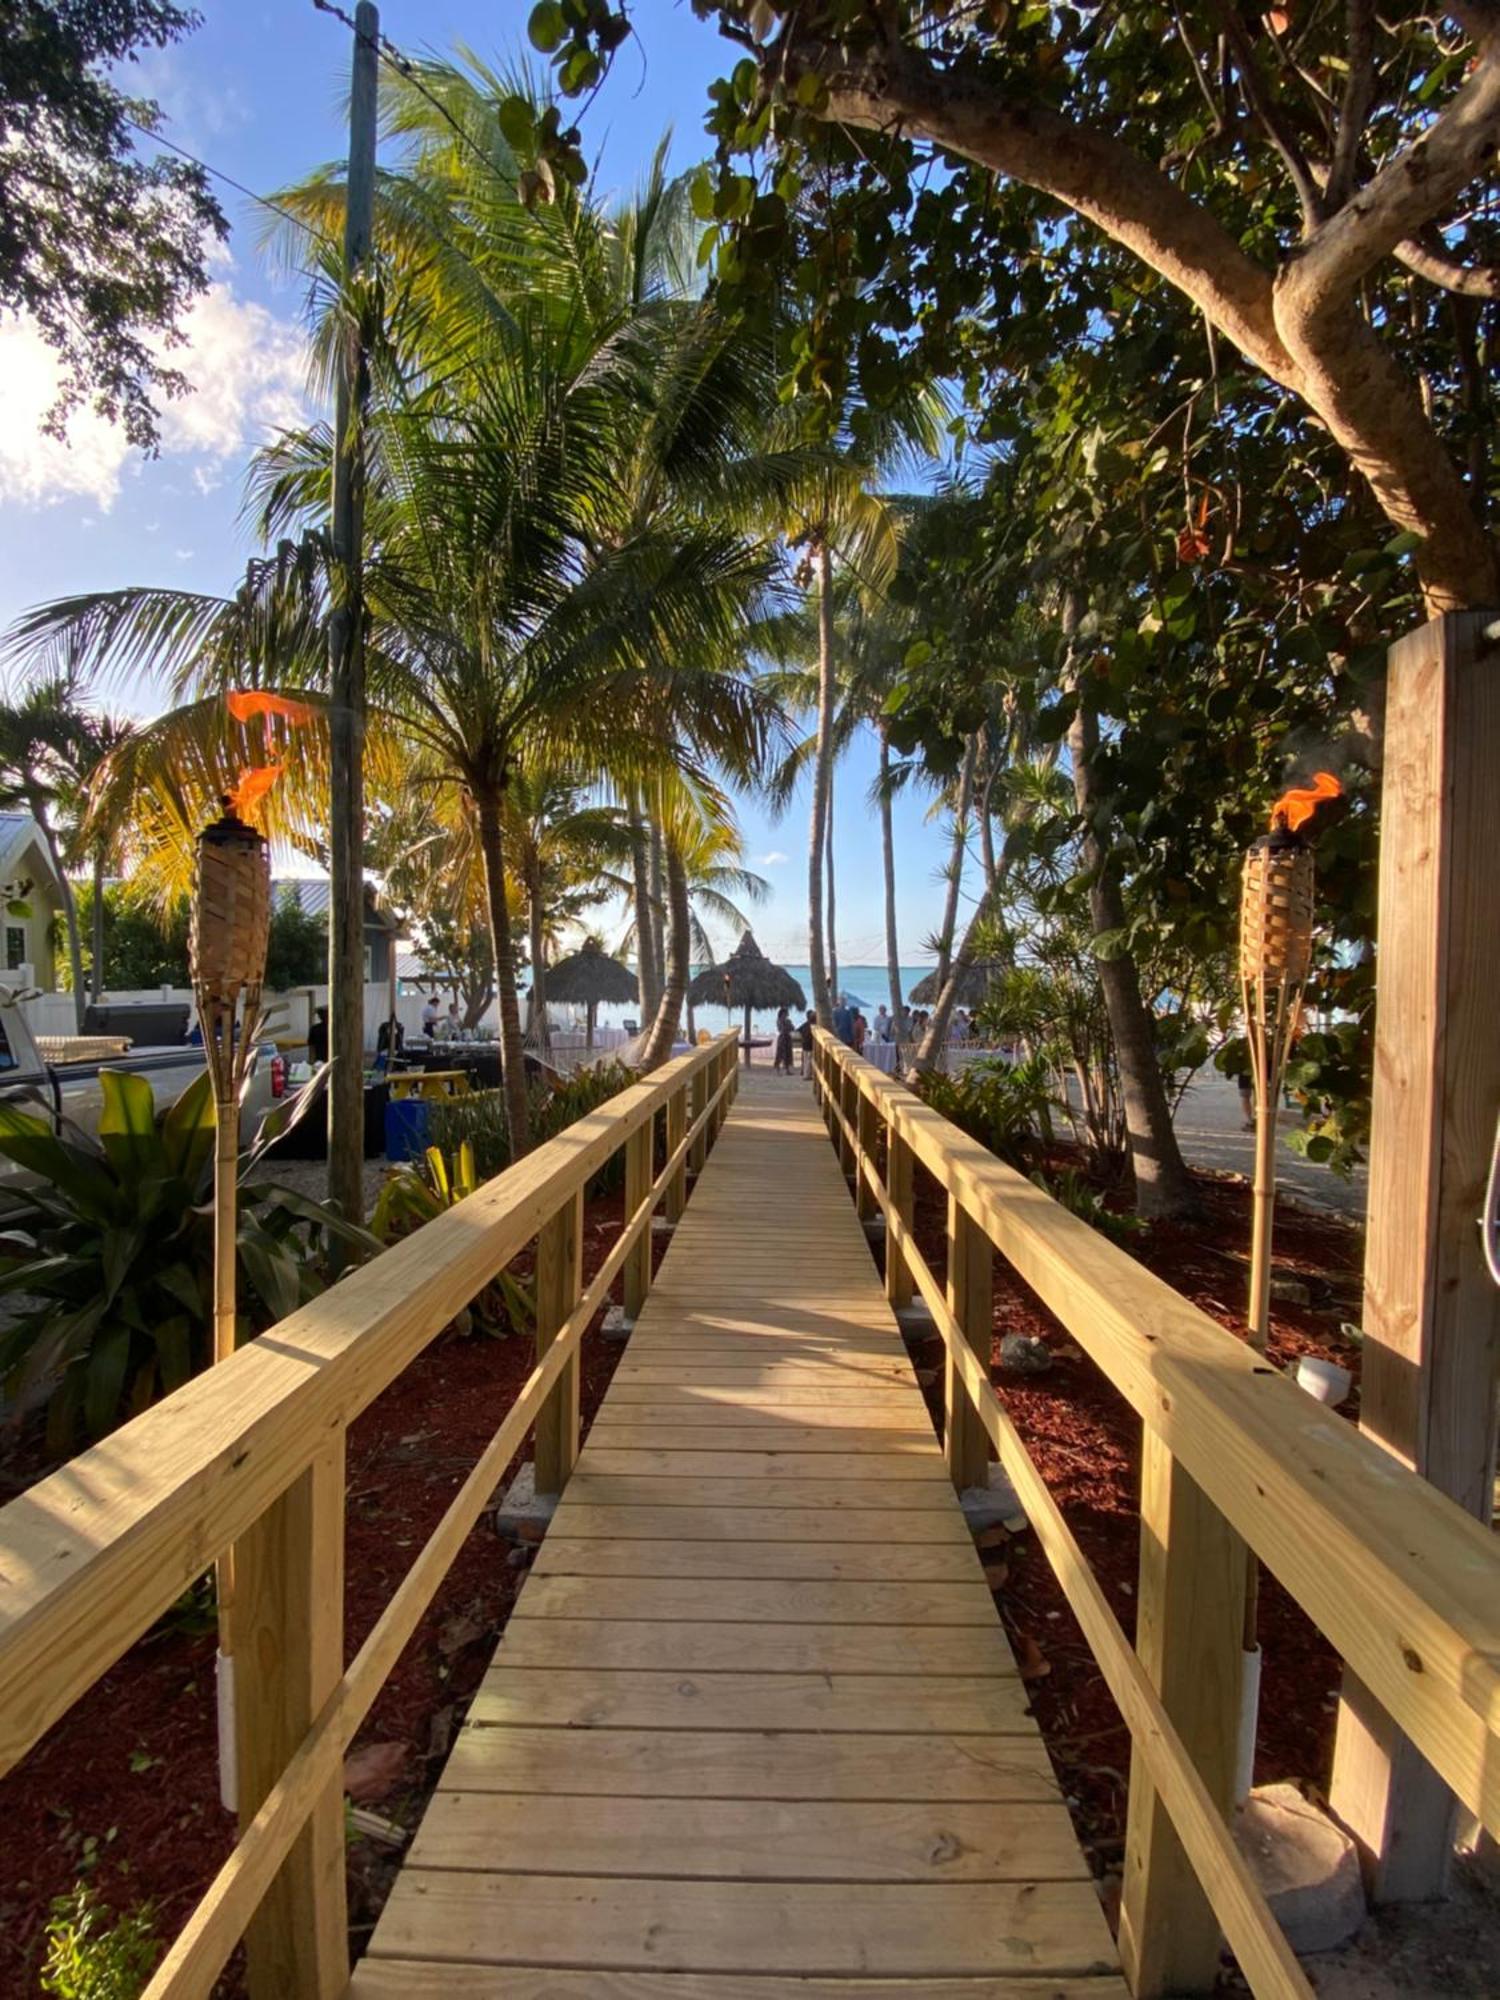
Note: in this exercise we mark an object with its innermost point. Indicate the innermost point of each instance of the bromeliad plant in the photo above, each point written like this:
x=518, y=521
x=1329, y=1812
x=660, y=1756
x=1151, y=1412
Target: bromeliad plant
x=417, y=1192
x=110, y=1247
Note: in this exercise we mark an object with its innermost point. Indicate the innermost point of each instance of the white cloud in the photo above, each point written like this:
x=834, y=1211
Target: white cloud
x=772, y=860
x=246, y=368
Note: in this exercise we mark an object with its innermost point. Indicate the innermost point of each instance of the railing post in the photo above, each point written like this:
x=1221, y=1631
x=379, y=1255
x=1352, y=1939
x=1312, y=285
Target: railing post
x=288, y=1634
x=698, y=1151
x=971, y=1265
x=676, y=1195
x=636, y=1274
x=1190, y=1637
x=898, y=1281
x=849, y=1105
x=559, y=1285
x=865, y=1204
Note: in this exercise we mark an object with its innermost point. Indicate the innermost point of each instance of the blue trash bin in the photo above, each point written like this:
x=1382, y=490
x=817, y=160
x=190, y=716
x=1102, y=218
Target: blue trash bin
x=406, y=1128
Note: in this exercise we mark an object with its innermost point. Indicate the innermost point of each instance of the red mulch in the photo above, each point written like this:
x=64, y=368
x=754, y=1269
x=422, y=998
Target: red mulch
x=1085, y=1440
x=124, y=1789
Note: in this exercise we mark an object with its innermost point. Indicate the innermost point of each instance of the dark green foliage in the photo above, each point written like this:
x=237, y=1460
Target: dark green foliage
x=1005, y=1107
x=1079, y=1197
x=114, y=1237
x=94, y=1955
x=297, y=948
x=102, y=249
x=478, y=1119
x=141, y=948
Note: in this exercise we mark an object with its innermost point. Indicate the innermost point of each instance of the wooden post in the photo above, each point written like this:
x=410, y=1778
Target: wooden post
x=1431, y=1313
x=971, y=1265
x=559, y=1286
x=898, y=1282
x=865, y=1204
x=637, y=1270
x=849, y=1104
x=676, y=1194
x=289, y=1648
x=1189, y=1630
x=698, y=1151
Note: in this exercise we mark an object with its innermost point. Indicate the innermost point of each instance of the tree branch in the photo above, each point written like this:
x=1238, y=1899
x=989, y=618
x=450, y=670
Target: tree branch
x=1469, y=281
x=1269, y=118
x=1354, y=109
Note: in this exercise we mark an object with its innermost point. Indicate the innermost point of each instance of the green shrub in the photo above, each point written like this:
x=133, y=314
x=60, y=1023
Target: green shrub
x=94, y=1955
x=114, y=1237
x=477, y=1120
x=1007, y=1107
x=419, y=1190
x=1079, y=1198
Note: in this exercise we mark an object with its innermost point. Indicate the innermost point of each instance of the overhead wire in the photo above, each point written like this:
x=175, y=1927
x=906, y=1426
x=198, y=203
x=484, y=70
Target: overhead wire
x=218, y=173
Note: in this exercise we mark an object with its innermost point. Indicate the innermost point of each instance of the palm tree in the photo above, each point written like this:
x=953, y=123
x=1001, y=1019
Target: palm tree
x=38, y=744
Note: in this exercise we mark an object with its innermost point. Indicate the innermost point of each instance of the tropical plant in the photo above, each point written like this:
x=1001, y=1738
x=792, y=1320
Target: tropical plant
x=38, y=736
x=1005, y=1106
x=416, y=1192
x=112, y=1236
x=94, y=1955
x=1079, y=1197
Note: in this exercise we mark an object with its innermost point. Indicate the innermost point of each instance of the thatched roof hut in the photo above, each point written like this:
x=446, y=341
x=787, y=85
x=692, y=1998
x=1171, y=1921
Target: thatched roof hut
x=748, y=979
x=590, y=978
x=973, y=984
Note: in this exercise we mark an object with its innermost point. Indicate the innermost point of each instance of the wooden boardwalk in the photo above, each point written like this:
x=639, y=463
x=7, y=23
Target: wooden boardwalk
x=753, y=1728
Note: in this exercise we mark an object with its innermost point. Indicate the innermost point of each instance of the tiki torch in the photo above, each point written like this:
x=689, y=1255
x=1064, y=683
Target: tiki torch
x=227, y=950
x=1276, y=923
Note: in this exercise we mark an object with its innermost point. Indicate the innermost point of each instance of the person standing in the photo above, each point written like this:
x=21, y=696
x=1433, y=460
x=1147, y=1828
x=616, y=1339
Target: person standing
x=843, y=1021
x=882, y=1024
x=783, y=1063
x=805, y=1039
x=430, y=1008
x=859, y=1031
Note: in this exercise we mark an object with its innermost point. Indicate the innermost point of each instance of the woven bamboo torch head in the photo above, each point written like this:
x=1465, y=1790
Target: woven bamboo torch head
x=1276, y=910
x=232, y=910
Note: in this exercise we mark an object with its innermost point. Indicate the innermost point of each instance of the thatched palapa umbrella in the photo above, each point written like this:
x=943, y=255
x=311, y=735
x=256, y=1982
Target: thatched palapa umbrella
x=973, y=985
x=589, y=978
x=747, y=979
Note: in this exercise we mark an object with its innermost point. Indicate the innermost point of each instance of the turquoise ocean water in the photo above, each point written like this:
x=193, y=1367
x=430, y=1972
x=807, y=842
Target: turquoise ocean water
x=867, y=983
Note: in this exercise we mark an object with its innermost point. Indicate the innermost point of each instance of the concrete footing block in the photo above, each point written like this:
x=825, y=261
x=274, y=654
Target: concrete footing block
x=1306, y=1865
x=614, y=1325
x=660, y=1226
x=915, y=1320
x=524, y=1515
x=995, y=1505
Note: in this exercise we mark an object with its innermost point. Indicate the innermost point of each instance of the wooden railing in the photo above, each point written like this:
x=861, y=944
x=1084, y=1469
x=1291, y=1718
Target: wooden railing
x=1405, y=1585
x=251, y=1456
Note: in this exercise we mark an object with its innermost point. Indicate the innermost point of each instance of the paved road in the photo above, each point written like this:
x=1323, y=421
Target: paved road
x=1211, y=1131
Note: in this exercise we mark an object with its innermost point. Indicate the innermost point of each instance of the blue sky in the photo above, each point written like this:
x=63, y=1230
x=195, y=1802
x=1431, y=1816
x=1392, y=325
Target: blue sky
x=258, y=92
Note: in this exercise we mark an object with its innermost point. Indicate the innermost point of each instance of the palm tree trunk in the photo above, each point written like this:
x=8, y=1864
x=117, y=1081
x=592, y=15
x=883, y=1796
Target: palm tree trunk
x=1163, y=1185
x=888, y=864
x=69, y=903
x=832, y=937
x=96, y=975
x=822, y=769
x=986, y=821
x=512, y=1045
x=942, y=1012
x=648, y=966
x=534, y=916
x=679, y=943
x=956, y=854
x=657, y=878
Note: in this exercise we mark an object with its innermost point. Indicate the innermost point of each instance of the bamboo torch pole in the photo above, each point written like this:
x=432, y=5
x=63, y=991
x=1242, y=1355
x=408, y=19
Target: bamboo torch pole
x=227, y=946
x=1276, y=909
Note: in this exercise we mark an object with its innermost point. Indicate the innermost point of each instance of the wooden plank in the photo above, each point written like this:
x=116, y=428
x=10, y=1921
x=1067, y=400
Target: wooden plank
x=401, y=1978
x=787, y=1927
x=905, y=1496
x=617, y=1521
x=766, y=1840
x=772, y=1436
x=1431, y=1315
x=739, y=1764
x=675, y=1199
x=604, y=1460
x=288, y=1630
x=898, y=1182
x=966, y=1444
x=814, y=1562
x=559, y=1283
x=851, y=1372
x=902, y=1416
x=636, y=1276
x=596, y=1698
x=662, y=1645
x=786, y=1603
x=1189, y=1635
x=814, y=1392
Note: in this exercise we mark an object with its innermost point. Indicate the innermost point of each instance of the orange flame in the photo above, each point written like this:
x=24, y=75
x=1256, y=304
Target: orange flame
x=1295, y=808
x=247, y=702
x=252, y=788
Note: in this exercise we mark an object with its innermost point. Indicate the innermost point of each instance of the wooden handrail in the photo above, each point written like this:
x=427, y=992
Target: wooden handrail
x=1403, y=1582
x=91, y=1556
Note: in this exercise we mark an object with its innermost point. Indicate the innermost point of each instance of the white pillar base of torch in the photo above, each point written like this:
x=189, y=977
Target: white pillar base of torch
x=1244, y=1763
x=229, y=1774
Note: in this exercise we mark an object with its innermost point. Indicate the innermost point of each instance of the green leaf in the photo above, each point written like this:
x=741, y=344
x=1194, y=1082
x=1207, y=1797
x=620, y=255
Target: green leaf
x=174, y=1351
x=105, y=1380
x=517, y=124
x=547, y=27
x=187, y=1130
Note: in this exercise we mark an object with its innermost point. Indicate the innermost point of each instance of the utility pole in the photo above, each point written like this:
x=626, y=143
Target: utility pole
x=346, y=664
